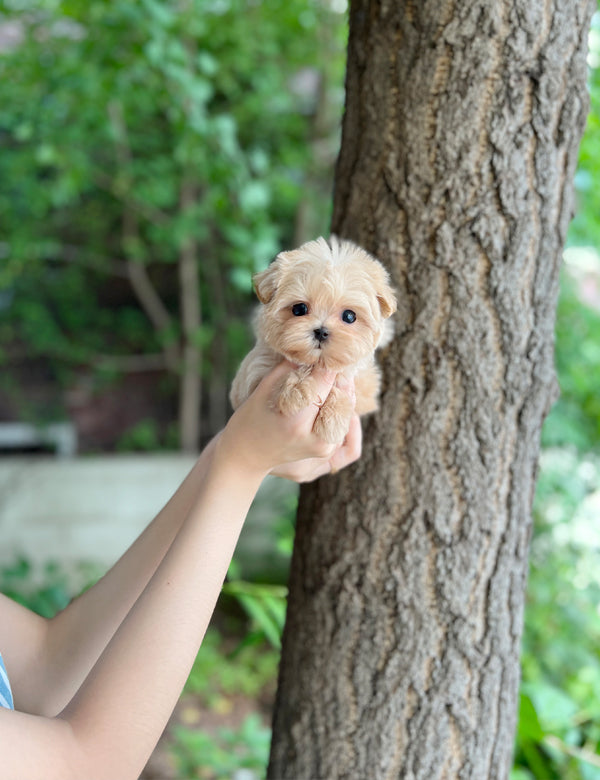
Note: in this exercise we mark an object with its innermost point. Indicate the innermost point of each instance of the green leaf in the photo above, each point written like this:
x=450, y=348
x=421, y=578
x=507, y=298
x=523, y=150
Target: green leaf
x=160, y=13
x=529, y=727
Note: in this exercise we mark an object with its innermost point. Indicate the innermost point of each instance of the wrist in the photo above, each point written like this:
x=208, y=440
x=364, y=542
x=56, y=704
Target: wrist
x=238, y=463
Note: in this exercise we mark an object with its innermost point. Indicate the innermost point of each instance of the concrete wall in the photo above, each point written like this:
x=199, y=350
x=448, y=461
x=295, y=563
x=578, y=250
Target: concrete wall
x=91, y=508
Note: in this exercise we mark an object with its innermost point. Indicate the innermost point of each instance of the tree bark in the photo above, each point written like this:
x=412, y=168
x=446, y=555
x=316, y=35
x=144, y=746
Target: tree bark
x=460, y=137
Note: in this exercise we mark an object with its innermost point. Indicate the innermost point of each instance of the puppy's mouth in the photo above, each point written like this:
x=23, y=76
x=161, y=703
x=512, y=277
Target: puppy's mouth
x=315, y=354
x=319, y=349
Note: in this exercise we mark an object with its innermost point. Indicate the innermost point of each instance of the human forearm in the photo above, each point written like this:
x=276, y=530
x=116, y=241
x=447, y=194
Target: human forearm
x=136, y=682
x=77, y=636
x=116, y=717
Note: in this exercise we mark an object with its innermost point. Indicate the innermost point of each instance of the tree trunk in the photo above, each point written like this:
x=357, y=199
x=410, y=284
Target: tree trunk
x=460, y=137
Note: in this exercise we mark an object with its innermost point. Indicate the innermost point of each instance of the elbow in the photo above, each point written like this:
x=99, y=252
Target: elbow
x=83, y=755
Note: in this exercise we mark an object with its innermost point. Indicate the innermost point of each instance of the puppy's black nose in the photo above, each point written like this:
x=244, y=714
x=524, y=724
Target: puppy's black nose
x=321, y=334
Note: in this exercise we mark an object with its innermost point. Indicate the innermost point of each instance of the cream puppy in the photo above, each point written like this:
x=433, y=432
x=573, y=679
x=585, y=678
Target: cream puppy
x=324, y=304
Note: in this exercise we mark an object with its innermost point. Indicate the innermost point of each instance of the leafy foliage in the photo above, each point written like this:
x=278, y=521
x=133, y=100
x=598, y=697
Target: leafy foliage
x=218, y=756
x=575, y=418
x=218, y=679
x=132, y=131
x=265, y=605
x=559, y=719
x=220, y=672
x=44, y=591
x=559, y=723
x=585, y=228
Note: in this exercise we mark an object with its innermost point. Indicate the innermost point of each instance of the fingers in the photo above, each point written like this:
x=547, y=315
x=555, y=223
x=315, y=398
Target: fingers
x=351, y=448
x=259, y=437
x=291, y=440
x=313, y=468
x=322, y=380
x=303, y=470
x=353, y=443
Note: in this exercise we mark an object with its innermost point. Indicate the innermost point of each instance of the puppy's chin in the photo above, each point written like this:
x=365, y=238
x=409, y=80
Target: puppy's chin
x=340, y=351
x=318, y=357
x=301, y=354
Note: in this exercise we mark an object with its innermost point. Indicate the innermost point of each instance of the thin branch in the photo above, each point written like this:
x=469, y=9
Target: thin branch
x=581, y=754
x=131, y=363
x=191, y=320
x=153, y=361
x=150, y=213
x=69, y=253
x=151, y=302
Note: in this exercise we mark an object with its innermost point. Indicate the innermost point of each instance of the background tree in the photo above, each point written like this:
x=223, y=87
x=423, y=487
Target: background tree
x=155, y=154
x=460, y=137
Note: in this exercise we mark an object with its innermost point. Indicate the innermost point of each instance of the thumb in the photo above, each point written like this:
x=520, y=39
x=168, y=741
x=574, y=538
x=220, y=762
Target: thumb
x=321, y=381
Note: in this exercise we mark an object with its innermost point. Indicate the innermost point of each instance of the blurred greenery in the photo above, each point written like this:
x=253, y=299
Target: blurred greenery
x=585, y=227
x=265, y=606
x=132, y=131
x=46, y=590
x=559, y=725
x=559, y=717
x=575, y=418
x=218, y=756
x=220, y=672
x=223, y=677
x=107, y=109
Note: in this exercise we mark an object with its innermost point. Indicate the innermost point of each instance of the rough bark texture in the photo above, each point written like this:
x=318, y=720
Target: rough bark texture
x=401, y=649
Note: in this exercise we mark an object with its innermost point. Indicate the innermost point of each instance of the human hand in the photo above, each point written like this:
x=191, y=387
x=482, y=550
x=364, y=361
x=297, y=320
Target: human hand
x=259, y=438
x=312, y=468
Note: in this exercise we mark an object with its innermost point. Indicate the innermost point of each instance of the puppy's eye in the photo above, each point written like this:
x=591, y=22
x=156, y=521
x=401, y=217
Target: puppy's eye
x=348, y=316
x=299, y=309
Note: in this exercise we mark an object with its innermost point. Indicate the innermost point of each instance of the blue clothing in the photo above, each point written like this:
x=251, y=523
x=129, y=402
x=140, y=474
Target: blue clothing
x=6, y=699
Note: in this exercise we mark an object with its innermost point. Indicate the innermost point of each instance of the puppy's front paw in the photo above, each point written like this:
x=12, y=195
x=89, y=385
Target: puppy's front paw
x=293, y=394
x=334, y=416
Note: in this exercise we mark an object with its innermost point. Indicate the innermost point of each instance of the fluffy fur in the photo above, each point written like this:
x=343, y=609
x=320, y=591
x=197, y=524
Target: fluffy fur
x=323, y=304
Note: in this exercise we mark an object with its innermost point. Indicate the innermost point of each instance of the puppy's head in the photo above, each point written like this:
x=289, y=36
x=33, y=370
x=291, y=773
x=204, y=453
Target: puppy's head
x=324, y=303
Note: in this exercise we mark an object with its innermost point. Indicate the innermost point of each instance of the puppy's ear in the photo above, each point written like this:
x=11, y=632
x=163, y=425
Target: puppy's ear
x=387, y=301
x=265, y=283
x=384, y=293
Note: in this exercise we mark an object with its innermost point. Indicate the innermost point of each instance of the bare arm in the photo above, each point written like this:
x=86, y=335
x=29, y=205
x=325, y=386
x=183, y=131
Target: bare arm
x=62, y=651
x=113, y=721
